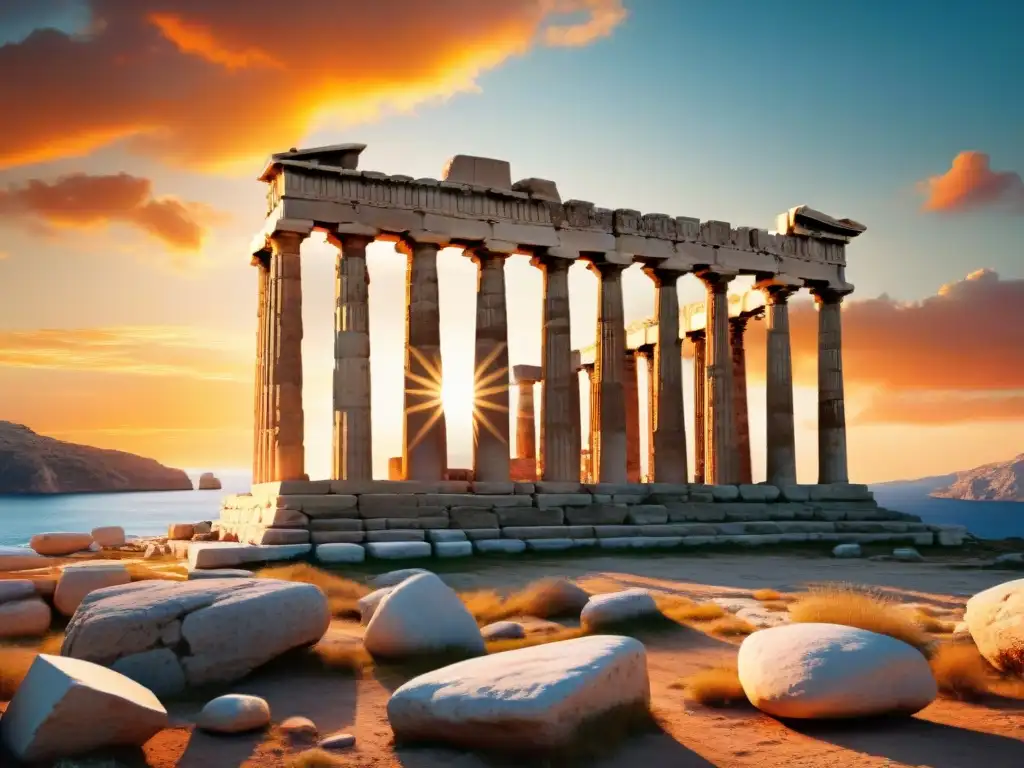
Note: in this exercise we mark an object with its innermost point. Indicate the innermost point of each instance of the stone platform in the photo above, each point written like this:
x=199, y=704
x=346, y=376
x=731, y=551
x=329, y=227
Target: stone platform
x=546, y=516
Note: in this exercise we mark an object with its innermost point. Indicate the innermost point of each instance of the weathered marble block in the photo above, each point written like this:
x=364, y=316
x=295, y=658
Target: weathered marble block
x=596, y=514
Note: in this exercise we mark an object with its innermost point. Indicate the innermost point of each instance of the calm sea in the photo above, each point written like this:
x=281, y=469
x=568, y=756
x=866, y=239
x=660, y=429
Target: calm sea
x=144, y=514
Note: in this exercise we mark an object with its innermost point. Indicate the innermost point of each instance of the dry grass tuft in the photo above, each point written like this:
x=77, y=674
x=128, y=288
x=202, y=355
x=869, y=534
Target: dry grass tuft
x=544, y=599
x=342, y=594
x=684, y=610
x=934, y=625
x=715, y=687
x=960, y=671
x=776, y=605
x=730, y=626
x=766, y=594
x=568, y=633
x=347, y=657
x=16, y=658
x=853, y=607
x=315, y=758
x=141, y=572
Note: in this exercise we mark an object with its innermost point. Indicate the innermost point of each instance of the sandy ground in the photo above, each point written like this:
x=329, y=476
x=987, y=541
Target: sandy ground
x=948, y=734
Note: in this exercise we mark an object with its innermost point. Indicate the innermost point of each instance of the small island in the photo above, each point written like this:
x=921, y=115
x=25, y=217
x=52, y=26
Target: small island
x=1001, y=481
x=35, y=464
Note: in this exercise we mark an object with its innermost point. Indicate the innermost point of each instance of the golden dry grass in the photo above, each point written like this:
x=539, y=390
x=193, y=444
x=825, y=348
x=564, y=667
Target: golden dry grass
x=342, y=594
x=776, y=605
x=142, y=572
x=315, y=758
x=568, y=633
x=731, y=626
x=852, y=607
x=936, y=626
x=715, y=687
x=544, y=599
x=683, y=610
x=16, y=658
x=960, y=671
x=766, y=594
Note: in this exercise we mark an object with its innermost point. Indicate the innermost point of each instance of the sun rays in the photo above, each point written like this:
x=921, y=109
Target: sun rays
x=487, y=383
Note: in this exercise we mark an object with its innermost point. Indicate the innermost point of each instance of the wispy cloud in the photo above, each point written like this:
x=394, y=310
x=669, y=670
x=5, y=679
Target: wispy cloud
x=970, y=183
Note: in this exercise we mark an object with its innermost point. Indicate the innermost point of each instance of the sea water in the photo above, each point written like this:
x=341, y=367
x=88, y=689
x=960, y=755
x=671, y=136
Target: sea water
x=147, y=514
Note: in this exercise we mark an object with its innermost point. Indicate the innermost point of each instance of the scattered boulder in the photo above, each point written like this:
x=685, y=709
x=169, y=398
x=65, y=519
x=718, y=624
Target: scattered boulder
x=558, y=597
x=181, y=531
x=1011, y=560
x=60, y=544
x=504, y=630
x=67, y=707
x=394, y=578
x=532, y=697
x=298, y=728
x=158, y=670
x=602, y=611
x=199, y=529
x=826, y=671
x=24, y=618
x=234, y=713
x=209, y=482
x=907, y=555
x=154, y=551
x=995, y=619
x=221, y=573
x=16, y=589
x=20, y=558
x=340, y=553
x=109, y=536
x=78, y=580
x=422, y=615
x=846, y=550
x=219, y=630
x=337, y=741
x=368, y=604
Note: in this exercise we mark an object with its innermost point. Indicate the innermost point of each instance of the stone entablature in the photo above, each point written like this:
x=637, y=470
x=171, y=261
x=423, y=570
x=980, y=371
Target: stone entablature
x=529, y=217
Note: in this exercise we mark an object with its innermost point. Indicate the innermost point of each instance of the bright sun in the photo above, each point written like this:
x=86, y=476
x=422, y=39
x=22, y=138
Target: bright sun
x=457, y=397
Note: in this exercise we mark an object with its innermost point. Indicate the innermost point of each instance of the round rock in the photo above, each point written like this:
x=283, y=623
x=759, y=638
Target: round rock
x=504, y=630
x=995, y=619
x=337, y=741
x=607, y=610
x=109, y=536
x=828, y=671
x=24, y=618
x=59, y=544
x=368, y=604
x=298, y=728
x=78, y=580
x=234, y=713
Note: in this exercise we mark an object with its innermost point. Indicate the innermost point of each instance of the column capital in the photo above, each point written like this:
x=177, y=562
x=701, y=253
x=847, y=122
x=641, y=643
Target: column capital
x=828, y=294
x=776, y=293
x=663, y=277
x=342, y=240
x=716, y=281
x=608, y=263
x=646, y=351
x=546, y=261
x=486, y=258
x=284, y=241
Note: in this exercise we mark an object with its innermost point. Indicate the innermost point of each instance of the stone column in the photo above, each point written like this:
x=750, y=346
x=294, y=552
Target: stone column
x=667, y=448
x=352, y=454
x=287, y=425
x=491, y=458
x=592, y=426
x=781, y=444
x=631, y=398
x=737, y=330
x=424, y=433
x=647, y=353
x=610, y=404
x=721, y=461
x=700, y=406
x=259, y=399
x=267, y=437
x=526, y=442
x=832, y=466
x=559, y=419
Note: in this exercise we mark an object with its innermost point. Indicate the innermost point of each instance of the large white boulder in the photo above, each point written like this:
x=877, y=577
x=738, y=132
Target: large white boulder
x=602, y=611
x=826, y=671
x=995, y=619
x=393, y=578
x=67, y=707
x=79, y=579
x=24, y=618
x=109, y=536
x=60, y=543
x=535, y=696
x=422, y=615
x=368, y=604
x=234, y=713
x=218, y=629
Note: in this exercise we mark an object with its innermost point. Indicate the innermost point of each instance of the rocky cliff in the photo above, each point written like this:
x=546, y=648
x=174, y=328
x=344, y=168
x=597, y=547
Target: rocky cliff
x=1003, y=481
x=35, y=464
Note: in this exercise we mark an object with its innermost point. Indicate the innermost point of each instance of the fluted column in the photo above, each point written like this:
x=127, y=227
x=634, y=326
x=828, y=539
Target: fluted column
x=832, y=467
x=667, y=441
x=352, y=454
x=737, y=331
x=268, y=438
x=491, y=457
x=721, y=462
x=287, y=427
x=592, y=426
x=424, y=433
x=647, y=354
x=631, y=398
x=700, y=406
x=781, y=443
x=559, y=418
x=259, y=398
x=610, y=406
x=526, y=441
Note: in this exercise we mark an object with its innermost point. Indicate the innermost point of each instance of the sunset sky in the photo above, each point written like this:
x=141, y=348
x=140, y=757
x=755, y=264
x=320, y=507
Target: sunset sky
x=131, y=134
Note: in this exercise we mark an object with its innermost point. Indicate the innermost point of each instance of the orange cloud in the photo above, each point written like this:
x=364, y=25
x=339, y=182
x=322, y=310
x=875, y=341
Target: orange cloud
x=971, y=183
x=82, y=201
x=953, y=357
x=201, y=83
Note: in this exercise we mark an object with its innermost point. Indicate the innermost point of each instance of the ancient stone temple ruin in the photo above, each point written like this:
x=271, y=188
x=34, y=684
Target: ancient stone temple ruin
x=563, y=502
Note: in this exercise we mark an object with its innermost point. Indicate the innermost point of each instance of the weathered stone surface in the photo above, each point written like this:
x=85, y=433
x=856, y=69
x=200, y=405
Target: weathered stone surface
x=554, y=500
x=472, y=517
x=647, y=514
x=340, y=553
x=478, y=534
x=421, y=615
x=678, y=529
x=337, y=741
x=453, y=549
x=180, y=531
x=503, y=630
x=436, y=536
x=24, y=618
x=57, y=544
x=529, y=517
x=108, y=536
x=221, y=573
x=499, y=546
x=907, y=555
x=398, y=550
x=525, y=488
x=695, y=512
x=596, y=514
x=534, y=532
x=20, y=558
x=229, y=626
x=840, y=492
x=612, y=531
x=16, y=589
x=224, y=554
x=78, y=580
x=795, y=493
x=158, y=670
x=391, y=535
x=293, y=488
x=384, y=504
x=761, y=493
x=995, y=619
x=493, y=487
x=603, y=611
x=417, y=523
x=67, y=707
x=368, y=603
x=337, y=537
x=394, y=578
x=557, y=486
x=824, y=671
x=548, y=545
x=336, y=524
x=741, y=512
x=725, y=492
x=538, y=696
x=234, y=713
